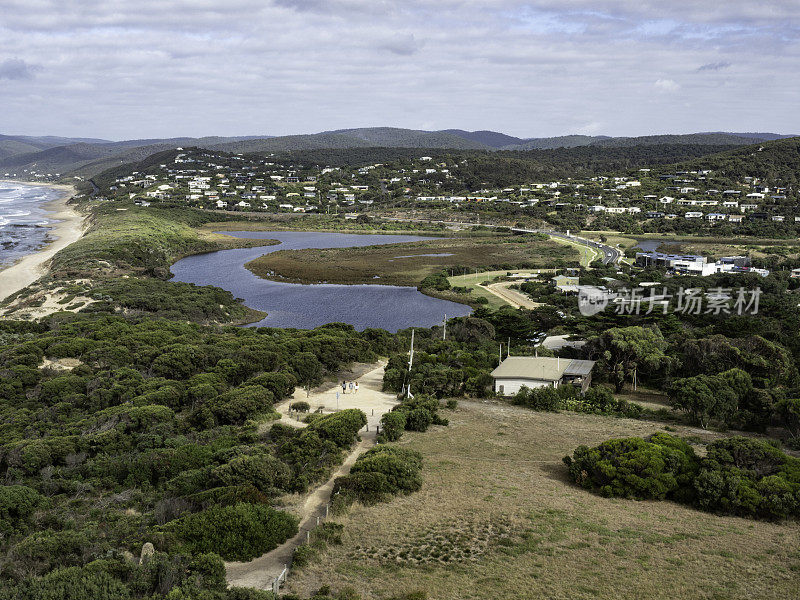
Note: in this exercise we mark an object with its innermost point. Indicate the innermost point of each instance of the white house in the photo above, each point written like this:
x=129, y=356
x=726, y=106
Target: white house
x=532, y=372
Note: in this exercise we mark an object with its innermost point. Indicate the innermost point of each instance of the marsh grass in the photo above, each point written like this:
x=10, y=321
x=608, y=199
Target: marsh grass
x=404, y=264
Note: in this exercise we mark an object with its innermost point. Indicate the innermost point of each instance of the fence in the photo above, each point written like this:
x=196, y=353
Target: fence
x=280, y=580
x=309, y=527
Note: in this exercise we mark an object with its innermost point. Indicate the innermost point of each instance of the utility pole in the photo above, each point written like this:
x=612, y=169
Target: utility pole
x=444, y=328
x=410, y=363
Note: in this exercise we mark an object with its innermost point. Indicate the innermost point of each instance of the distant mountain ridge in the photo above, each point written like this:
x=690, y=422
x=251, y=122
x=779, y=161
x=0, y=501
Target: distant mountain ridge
x=88, y=156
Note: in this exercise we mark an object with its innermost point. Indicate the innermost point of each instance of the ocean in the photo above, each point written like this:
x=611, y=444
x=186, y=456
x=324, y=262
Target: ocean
x=23, y=219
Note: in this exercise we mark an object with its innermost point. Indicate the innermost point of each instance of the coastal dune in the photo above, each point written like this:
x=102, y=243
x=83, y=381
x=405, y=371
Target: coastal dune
x=67, y=228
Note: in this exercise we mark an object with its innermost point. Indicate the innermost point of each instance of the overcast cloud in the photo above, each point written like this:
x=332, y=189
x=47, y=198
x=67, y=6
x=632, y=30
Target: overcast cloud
x=153, y=68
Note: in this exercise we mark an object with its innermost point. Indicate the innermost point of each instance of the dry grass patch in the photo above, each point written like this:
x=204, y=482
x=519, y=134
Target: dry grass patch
x=497, y=503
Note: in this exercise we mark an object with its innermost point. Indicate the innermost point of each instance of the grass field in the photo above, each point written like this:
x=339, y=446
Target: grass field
x=472, y=282
x=497, y=518
x=409, y=263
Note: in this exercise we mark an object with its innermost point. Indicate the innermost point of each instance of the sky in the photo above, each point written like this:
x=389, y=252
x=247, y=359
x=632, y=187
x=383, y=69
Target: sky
x=119, y=69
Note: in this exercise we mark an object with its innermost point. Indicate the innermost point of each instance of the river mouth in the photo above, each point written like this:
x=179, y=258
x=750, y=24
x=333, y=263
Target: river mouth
x=303, y=306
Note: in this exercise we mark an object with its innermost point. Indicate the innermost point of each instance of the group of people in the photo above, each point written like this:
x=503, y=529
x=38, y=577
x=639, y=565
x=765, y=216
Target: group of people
x=351, y=385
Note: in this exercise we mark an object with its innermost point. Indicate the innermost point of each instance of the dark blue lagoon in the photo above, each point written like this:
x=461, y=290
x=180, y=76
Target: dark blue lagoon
x=305, y=306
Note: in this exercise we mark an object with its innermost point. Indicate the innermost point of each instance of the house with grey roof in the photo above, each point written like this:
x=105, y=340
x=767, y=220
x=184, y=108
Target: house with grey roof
x=532, y=372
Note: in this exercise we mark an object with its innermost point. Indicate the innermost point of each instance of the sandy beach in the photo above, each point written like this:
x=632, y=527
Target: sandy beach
x=66, y=228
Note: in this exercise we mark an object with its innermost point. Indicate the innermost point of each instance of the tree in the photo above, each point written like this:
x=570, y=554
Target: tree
x=627, y=349
x=704, y=397
x=308, y=370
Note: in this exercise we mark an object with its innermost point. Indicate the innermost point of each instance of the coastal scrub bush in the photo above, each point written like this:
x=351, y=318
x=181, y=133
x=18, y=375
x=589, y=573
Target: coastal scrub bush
x=741, y=476
x=392, y=425
x=266, y=473
x=341, y=428
x=418, y=419
x=71, y=583
x=234, y=407
x=238, y=532
x=543, y=398
x=658, y=467
x=17, y=505
x=749, y=477
x=437, y=281
x=381, y=473
x=420, y=412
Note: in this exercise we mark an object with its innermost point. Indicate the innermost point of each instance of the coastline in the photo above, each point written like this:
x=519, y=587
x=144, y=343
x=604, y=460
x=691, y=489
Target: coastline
x=66, y=227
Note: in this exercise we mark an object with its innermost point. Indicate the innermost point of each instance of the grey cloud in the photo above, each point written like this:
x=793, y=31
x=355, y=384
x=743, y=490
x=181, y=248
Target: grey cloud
x=196, y=67
x=15, y=68
x=401, y=46
x=714, y=66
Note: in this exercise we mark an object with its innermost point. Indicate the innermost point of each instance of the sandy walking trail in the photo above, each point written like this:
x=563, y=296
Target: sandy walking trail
x=68, y=228
x=262, y=571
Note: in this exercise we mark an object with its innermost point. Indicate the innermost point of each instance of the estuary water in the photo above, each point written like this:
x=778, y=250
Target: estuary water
x=307, y=306
x=23, y=219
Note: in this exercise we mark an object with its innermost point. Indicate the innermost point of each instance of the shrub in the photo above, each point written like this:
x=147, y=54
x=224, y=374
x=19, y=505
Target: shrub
x=234, y=407
x=658, y=467
x=418, y=419
x=301, y=406
x=741, y=476
x=266, y=473
x=50, y=548
x=543, y=398
x=749, y=477
x=341, y=428
x=70, y=583
x=380, y=473
x=17, y=504
x=436, y=281
x=392, y=425
x=238, y=532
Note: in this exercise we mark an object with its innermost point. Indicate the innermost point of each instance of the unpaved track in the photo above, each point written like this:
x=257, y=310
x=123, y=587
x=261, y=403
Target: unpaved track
x=262, y=571
x=513, y=297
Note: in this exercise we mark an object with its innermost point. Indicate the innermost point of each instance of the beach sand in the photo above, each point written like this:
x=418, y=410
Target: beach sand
x=67, y=228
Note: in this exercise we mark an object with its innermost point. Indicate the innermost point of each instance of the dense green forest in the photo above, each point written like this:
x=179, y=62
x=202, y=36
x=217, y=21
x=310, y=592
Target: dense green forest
x=157, y=432
x=775, y=161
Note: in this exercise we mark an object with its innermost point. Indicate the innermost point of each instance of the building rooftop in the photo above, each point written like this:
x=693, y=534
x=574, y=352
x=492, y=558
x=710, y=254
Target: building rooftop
x=541, y=367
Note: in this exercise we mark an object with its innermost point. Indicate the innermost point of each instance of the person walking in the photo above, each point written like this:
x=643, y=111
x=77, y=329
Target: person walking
x=344, y=387
x=356, y=387
x=350, y=385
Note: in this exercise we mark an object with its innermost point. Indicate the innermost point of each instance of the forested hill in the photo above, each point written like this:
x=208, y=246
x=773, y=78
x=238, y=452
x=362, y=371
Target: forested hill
x=774, y=161
x=508, y=168
x=21, y=155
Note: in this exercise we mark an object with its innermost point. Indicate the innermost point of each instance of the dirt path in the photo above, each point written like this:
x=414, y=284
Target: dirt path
x=513, y=297
x=369, y=398
x=262, y=571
